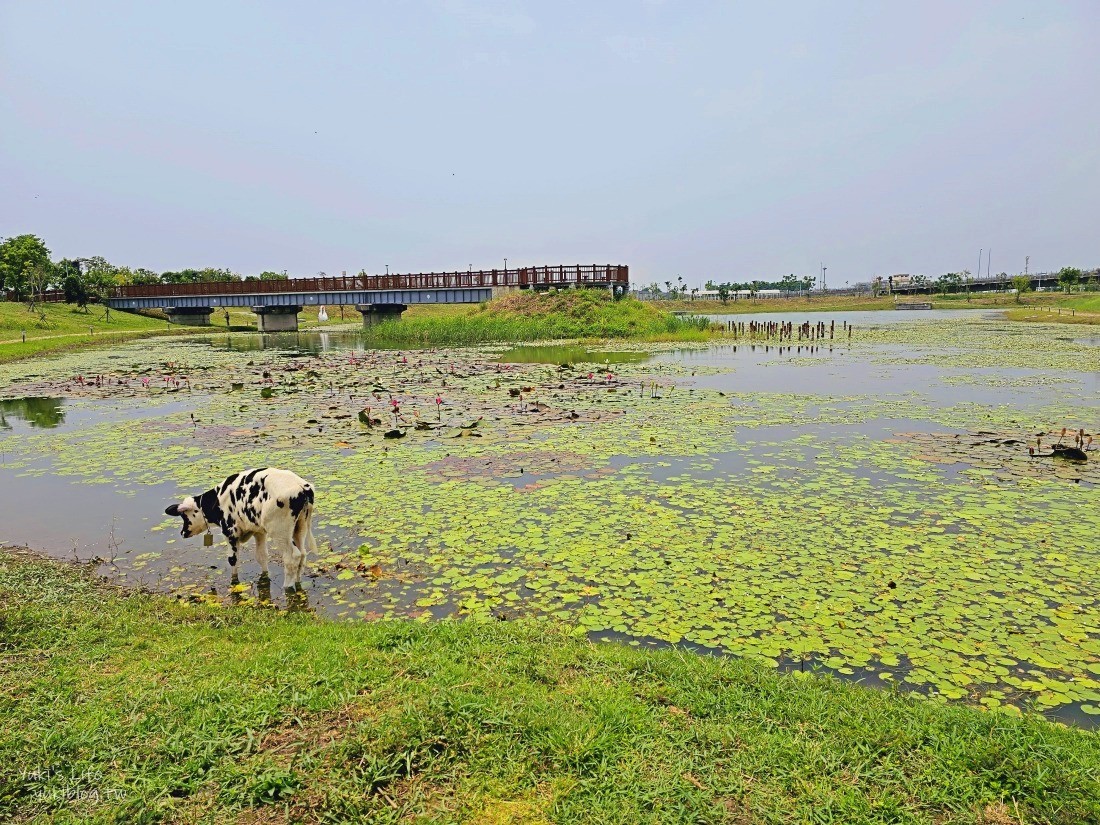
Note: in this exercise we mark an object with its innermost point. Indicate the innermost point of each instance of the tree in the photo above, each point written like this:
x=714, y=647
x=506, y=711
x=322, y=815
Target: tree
x=100, y=277
x=272, y=276
x=38, y=279
x=668, y=287
x=807, y=282
x=72, y=282
x=144, y=276
x=723, y=292
x=789, y=283
x=710, y=285
x=1022, y=284
x=949, y=282
x=20, y=256
x=1069, y=277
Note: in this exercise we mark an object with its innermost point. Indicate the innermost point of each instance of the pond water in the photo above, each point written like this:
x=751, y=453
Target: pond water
x=865, y=507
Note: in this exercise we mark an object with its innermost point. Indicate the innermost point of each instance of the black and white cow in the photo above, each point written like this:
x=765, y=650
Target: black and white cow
x=259, y=504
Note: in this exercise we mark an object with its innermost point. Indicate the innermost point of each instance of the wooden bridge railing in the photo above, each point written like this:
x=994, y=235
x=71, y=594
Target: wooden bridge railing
x=533, y=276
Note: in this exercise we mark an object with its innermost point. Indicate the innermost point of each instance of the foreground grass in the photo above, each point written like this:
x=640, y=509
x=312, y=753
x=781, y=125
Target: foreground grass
x=534, y=316
x=197, y=714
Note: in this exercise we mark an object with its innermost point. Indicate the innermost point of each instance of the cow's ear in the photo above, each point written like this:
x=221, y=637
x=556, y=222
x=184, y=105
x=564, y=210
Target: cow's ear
x=174, y=510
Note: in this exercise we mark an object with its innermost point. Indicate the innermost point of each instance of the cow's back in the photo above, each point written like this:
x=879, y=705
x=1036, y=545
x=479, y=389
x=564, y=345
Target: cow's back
x=256, y=500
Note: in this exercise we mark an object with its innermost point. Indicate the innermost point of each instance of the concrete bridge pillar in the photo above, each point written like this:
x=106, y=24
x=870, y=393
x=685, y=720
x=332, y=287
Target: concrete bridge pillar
x=278, y=318
x=192, y=316
x=376, y=313
x=504, y=291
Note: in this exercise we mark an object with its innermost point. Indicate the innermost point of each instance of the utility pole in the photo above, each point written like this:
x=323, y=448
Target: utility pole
x=978, y=272
x=823, y=268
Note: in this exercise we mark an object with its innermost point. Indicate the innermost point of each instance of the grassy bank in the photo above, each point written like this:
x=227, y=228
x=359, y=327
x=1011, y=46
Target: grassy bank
x=54, y=328
x=532, y=316
x=1031, y=305
x=57, y=327
x=129, y=707
x=1072, y=309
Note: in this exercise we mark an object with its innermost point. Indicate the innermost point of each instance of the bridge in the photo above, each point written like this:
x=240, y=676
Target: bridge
x=984, y=283
x=277, y=303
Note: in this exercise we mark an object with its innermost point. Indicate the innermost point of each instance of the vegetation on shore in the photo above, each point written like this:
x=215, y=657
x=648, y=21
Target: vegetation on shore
x=541, y=316
x=57, y=327
x=123, y=706
x=1030, y=307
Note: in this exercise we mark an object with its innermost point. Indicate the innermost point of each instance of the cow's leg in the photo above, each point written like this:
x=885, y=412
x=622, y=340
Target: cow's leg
x=234, y=553
x=303, y=538
x=290, y=556
x=261, y=552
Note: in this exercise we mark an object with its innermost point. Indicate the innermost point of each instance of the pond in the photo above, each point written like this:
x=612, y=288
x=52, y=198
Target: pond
x=866, y=507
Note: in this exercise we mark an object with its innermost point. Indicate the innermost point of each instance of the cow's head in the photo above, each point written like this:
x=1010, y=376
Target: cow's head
x=194, y=519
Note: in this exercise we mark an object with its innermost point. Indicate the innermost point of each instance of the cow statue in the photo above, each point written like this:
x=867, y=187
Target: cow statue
x=260, y=504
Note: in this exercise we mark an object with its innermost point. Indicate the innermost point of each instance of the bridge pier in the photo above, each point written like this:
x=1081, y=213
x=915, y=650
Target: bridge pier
x=376, y=313
x=277, y=318
x=192, y=316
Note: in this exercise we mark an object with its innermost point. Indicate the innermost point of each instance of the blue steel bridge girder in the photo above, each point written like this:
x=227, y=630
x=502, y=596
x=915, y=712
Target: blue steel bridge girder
x=395, y=296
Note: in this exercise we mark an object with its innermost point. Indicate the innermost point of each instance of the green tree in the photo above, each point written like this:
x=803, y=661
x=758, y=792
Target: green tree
x=268, y=275
x=144, y=276
x=100, y=277
x=72, y=282
x=807, y=282
x=1069, y=277
x=1022, y=284
x=723, y=292
x=949, y=282
x=22, y=259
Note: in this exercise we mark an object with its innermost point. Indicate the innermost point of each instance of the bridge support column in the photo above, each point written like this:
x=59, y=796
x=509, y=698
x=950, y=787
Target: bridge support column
x=277, y=318
x=376, y=313
x=503, y=291
x=192, y=316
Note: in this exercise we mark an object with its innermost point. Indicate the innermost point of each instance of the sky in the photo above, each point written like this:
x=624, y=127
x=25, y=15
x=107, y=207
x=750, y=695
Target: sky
x=710, y=140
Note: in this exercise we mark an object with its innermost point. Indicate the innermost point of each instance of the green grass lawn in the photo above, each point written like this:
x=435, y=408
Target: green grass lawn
x=55, y=327
x=180, y=713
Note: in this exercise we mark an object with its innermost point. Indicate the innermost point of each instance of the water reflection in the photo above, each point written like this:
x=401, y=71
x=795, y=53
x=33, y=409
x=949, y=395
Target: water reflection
x=37, y=412
x=295, y=343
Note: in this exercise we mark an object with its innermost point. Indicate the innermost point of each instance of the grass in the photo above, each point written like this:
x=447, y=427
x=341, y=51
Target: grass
x=54, y=328
x=1037, y=302
x=57, y=327
x=1071, y=309
x=181, y=713
x=534, y=316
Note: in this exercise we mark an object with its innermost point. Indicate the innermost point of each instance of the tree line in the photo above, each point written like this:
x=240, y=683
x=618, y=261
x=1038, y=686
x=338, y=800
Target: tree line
x=27, y=270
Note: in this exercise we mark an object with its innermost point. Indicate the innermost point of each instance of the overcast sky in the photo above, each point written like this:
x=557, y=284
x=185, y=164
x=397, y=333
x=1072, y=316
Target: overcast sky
x=707, y=139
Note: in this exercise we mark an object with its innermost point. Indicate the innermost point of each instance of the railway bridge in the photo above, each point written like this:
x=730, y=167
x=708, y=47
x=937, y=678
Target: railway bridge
x=277, y=303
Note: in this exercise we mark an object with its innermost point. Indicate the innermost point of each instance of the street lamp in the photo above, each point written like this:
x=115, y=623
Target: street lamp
x=387, y=269
x=505, y=266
